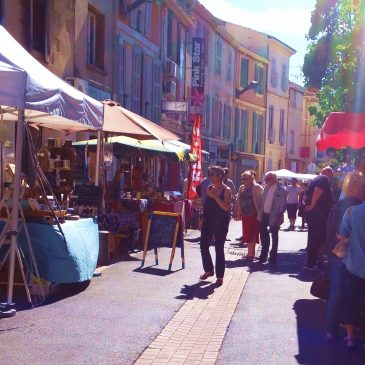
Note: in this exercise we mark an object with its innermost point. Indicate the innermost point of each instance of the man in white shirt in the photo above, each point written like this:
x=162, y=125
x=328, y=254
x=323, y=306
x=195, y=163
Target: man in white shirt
x=271, y=215
x=292, y=201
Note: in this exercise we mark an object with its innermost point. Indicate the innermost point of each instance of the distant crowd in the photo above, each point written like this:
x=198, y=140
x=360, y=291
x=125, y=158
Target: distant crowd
x=334, y=217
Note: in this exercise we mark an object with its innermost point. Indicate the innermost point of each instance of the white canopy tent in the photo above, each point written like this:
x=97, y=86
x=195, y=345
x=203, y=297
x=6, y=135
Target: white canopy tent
x=287, y=174
x=27, y=86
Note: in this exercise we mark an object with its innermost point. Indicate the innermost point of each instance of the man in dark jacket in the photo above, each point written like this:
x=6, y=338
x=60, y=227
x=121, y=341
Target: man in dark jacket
x=319, y=200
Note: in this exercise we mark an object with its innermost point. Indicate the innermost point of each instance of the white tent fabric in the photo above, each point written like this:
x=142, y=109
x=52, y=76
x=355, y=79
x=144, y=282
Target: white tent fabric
x=27, y=84
x=287, y=174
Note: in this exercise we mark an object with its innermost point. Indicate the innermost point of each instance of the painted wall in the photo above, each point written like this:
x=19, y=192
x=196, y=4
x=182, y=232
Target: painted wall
x=294, y=127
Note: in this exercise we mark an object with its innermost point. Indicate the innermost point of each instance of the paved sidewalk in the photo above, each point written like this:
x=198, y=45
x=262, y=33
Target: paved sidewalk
x=195, y=334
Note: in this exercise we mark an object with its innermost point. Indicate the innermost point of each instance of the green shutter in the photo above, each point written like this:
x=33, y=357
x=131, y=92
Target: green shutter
x=244, y=73
x=254, y=132
x=245, y=126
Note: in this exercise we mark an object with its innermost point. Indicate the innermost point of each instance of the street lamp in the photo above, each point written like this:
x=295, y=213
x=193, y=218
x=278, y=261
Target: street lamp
x=252, y=86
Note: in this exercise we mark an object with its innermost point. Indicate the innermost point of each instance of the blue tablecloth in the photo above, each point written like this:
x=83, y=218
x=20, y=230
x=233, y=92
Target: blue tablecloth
x=59, y=261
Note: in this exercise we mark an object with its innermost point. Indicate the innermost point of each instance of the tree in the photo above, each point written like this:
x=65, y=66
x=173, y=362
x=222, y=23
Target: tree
x=333, y=63
x=333, y=60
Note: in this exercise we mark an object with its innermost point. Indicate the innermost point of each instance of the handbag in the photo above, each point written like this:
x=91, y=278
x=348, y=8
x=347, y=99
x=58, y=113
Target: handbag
x=340, y=250
x=320, y=287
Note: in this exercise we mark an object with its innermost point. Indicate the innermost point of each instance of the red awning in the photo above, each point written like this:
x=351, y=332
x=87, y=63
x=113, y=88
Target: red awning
x=342, y=129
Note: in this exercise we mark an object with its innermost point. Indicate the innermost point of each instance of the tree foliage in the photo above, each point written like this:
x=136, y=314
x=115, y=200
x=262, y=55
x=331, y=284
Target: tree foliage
x=333, y=63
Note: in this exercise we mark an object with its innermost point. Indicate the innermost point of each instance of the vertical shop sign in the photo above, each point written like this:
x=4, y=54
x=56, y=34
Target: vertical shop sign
x=197, y=72
x=195, y=172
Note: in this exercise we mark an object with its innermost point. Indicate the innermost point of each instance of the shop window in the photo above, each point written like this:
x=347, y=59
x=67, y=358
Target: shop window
x=95, y=38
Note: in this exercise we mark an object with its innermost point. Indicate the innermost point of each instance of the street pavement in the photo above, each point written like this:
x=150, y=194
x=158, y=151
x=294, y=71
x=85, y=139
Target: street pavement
x=263, y=314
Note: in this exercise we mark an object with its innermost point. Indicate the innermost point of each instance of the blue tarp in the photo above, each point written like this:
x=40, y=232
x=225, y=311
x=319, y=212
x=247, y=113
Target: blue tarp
x=60, y=262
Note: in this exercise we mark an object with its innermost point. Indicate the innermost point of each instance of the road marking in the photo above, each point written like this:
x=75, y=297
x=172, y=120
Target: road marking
x=196, y=333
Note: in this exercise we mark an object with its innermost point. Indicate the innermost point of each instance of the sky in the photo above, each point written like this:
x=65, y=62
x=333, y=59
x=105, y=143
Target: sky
x=286, y=20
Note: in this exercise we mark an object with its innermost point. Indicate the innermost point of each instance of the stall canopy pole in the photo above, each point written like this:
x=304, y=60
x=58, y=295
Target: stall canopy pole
x=98, y=153
x=15, y=204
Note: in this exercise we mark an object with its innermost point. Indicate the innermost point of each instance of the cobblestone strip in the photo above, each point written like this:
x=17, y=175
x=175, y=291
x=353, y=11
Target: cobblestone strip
x=196, y=332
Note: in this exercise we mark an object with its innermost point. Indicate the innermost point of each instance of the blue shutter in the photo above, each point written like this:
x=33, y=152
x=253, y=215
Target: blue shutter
x=244, y=73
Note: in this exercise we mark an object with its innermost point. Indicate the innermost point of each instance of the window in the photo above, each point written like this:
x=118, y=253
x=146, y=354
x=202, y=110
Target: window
x=260, y=78
x=244, y=73
x=229, y=66
x=136, y=80
x=156, y=92
x=257, y=134
x=282, y=130
x=95, y=38
x=291, y=142
x=207, y=112
x=271, y=132
x=269, y=164
x=274, y=74
x=293, y=98
x=148, y=20
x=39, y=26
x=218, y=54
x=241, y=130
x=170, y=45
x=284, y=77
x=1, y=11
x=227, y=114
x=91, y=37
x=217, y=117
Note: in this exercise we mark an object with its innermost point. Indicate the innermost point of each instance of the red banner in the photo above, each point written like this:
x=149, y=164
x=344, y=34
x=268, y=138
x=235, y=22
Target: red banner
x=195, y=172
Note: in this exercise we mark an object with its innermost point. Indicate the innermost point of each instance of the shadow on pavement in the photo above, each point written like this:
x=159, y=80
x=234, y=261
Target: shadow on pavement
x=155, y=271
x=200, y=290
x=313, y=347
x=67, y=290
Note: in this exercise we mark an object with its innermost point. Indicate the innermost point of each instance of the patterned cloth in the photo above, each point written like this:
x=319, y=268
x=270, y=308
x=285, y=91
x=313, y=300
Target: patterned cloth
x=118, y=222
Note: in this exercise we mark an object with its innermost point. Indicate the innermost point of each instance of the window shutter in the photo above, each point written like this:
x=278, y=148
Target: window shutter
x=244, y=73
x=244, y=120
x=207, y=111
x=254, y=133
x=284, y=77
x=133, y=18
x=120, y=73
x=136, y=83
x=147, y=87
x=273, y=75
x=156, y=92
x=148, y=14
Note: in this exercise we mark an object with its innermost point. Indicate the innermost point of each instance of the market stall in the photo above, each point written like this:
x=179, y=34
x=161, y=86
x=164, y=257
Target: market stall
x=31, y=94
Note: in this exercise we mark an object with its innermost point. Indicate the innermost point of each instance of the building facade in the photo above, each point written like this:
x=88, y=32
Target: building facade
x=277, y=104
x=250, y=104
x=293, y=160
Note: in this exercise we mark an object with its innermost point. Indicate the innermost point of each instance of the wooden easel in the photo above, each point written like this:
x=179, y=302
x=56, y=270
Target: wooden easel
x=5, y=241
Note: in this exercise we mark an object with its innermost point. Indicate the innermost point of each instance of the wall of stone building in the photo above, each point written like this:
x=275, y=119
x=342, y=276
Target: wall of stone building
x=99, y=77
x=61, y=32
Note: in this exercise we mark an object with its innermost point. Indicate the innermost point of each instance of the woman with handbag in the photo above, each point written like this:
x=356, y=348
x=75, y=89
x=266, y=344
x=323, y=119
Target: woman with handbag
x=354, y=187
x=353, y=229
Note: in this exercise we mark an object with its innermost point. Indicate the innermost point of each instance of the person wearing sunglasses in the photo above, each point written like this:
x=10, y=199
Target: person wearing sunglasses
x=215, y=224
x=247, y=207
x=271, y=215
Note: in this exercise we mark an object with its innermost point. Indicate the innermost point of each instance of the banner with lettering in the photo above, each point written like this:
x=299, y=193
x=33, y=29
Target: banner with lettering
x=195, y=172
x=197, y=72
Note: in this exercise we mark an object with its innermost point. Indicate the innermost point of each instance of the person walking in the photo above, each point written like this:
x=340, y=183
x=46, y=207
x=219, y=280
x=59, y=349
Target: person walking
x=271, y=215
x=248, y=205
x=354, y=189
x=215, y=223
x=292, y=202
x=318, y=204
x=301, y=210
x=353, y=229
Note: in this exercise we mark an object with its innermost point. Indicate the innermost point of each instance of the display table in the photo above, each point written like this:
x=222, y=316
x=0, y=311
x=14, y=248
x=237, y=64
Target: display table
x=59, y=261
